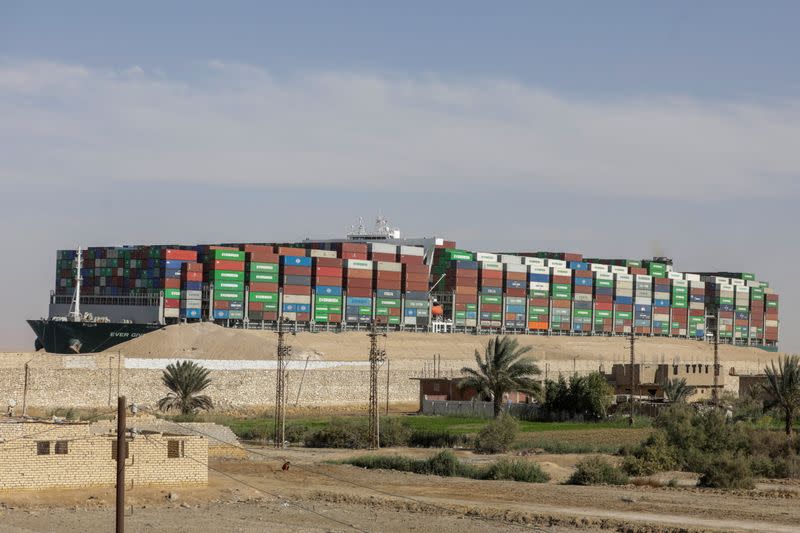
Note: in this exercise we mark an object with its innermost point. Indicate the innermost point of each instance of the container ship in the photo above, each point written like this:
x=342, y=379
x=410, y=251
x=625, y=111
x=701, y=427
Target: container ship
x=107, y=295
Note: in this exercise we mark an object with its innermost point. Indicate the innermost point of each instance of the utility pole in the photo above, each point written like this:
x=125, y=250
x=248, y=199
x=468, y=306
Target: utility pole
x=121, y=453
x=714, y=393
x=633, y=369
x=387, y=386
x=283, y=352
x=25, y=392
x=376, y=356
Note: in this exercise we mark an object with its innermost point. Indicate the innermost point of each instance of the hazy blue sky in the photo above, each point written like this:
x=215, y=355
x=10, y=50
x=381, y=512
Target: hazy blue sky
x=615, y=128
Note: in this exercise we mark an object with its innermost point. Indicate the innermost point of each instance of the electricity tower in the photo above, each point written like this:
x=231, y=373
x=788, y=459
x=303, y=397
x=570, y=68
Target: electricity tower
x=633, y=371
x=283, y=352
x=376, y=358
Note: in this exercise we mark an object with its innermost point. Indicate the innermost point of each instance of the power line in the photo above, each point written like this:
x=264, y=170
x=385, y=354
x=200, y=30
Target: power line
x=259, y=489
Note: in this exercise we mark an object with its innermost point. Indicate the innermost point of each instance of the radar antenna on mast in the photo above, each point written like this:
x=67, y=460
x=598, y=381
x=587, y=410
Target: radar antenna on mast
x=74, y=314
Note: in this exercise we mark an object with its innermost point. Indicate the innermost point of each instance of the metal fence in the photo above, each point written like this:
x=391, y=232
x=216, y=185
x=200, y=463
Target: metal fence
x=478, y=409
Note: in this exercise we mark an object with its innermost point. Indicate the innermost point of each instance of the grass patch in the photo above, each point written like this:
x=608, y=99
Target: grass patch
x=446, y=464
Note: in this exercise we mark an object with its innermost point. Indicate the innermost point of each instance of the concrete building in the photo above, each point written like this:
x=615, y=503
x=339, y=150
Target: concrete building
x=42, y=455
x=448, y=389
x=651, y=379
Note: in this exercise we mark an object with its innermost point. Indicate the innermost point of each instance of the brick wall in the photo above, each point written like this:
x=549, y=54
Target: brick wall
x=89, y=461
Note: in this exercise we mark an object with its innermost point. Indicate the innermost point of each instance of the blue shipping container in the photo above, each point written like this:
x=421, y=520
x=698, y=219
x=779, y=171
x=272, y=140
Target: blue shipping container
x=579, y=265
x=359, y=301
x=387, y=293
x=193, y=285
x=296, y=260
x=411, y=312
x=583, y=282
x=296, y=308
x=221, y=313
x=328, y=290
x=661, y=303
x=466, y=265
x=190, y=313
x=540, y=278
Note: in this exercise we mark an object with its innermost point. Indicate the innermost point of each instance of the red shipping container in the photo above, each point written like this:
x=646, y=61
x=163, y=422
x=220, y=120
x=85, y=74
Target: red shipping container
x=563, y=280
x=222, y=304
x=327, y=281
x=603, y=306
x=263, y=257
x=328, y=262
x=515, y=292
x=260, y=286
x=296, y=271
x=604, y=299
x=360, y=283
x=412, y=259
x=179, y=255
x=394, y=311
x=563, y=304
x=224, y=264
x=384, y=257
x=354, y=255
x=580, y=289
x=303, y=317
x=259, y=248
x=361, y=274
x=171, y=303
x=416, y=287
x=359, y=292
x=491, y=308
x=582, y=273
x=192, y=276
x=332, y=272
x=387, y=285
x=335, y=318
x=255, y=306
x=491, y=274
x=290, y=250
x=352, y=247
x=468, y=298
x=540, y=302
x=472, y=291
x=192, y=267
x=172, y=283
x=415, y=269
x=270, y=315
x=297, y=289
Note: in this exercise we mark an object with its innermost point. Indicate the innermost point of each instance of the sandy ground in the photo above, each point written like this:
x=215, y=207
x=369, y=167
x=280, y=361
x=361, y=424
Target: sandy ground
x=256, y=495
x=205, y=340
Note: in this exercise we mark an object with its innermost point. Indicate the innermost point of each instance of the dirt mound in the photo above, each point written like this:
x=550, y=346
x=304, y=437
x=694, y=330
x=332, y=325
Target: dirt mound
x=209, y=341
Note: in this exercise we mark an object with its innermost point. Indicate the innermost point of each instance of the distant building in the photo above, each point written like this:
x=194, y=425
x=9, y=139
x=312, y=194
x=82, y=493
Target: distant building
x=448, y=389
x=42, y=455
x=650, y=379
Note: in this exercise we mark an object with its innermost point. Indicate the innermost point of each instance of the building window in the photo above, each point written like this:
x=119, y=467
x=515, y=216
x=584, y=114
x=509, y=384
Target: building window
x=114, y=450
x=43, y=447
x=175, y=449
x=436, y=387
x=675, y=370
x=62, y=447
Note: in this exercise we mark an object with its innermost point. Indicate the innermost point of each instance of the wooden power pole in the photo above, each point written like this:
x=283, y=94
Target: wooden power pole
x=280, y=387
x=121, y=453
x=714, y=393
x=633, y=371
x=376, y=357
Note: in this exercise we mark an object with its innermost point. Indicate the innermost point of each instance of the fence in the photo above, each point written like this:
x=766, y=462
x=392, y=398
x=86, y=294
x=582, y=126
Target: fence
x=478, y=409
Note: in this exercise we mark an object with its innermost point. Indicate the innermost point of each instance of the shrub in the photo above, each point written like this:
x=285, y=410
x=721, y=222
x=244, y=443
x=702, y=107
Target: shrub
x=444, y=463
x=497, y=435
x=256, y=432
x=727, y=472
x=597, y=471
x=394, y=432
x=516, y=470
x=653, y=455
x=385, y=462
x=436, y=439
x=340, y=433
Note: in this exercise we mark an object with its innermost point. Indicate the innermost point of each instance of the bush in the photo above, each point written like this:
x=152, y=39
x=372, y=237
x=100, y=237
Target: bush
x=340, y=433
x=516, y=470
x=653, y=455
x=597, y=471
x=497, y=435
x=727, y=472
x=446, y=464
x=394, y=432
x=436, y=439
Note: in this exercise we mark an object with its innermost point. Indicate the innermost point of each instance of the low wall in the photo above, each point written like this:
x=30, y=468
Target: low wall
x=523, y=411
x=93, y=381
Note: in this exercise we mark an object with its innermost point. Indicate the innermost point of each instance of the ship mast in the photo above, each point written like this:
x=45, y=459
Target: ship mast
x=75, y=309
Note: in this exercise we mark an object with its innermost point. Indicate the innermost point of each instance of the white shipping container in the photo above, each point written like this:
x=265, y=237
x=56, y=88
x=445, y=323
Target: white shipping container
x=491, y=265
x=191, y=304
x=538, y=285
x=608, y=276
x=559, y=271
x=515, y=300
x=737, y=282
x=513, y=267
x=556, y=263
x=674, y=275
x=290, y=316
x=643, y=278
x=680, y=283
x=624, y=277
x=692, y=277
x=769, y=290
x=358, y=264
x=296, y=299
x=745, y=291
x=191, y=295
x=661, y=317
x=483, y=256
x=752, y=283
x=382, y=248
x=616, y=269
x=597, y=267
x=172, y=312
x=582, y=297
x=330, y=254
x=511, y=259
x=771, y=323
x=540, y=270
x=643, y=300
x=661, y=296
x=533, y=261
x=695, y=284
x=697, y=305
x=387, y=266
x=412, y=250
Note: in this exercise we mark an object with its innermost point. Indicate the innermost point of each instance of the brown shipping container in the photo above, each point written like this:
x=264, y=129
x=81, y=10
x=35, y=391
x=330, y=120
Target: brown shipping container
x=582, y=273
x=290, y=250
x=329, y=262
x=263, y=257
x=540, y=302
x=392, y=258
x=297, y=289
x=260, y=286
x=562, y=304
x=296, y=271
x=358, y=282
x=360, y=292
x=515, y=292
x=491, y=308
x=412, y=260
x=416, y=286
x=221, y=304
x=473, y=291
x=519, y=276
x=223, y=264
x=259, y=248
x=270, y=315
x=358, y=274
x=328, y=281
x=335, y=318
x=415, y=269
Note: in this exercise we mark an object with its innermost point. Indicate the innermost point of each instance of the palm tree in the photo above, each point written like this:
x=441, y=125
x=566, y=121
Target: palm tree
x=783, y=385
x=676, y=390
x=185, y=379
x=502, y=369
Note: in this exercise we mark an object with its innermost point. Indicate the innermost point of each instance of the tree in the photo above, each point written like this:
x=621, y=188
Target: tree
x=783, y=385
x=502, y=369
x=589, y=396
x=676, y=390
x=185, y=379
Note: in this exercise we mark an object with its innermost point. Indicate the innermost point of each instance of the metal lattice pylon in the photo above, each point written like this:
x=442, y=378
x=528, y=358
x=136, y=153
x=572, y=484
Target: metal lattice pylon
x=283, y=352
x=376, y=358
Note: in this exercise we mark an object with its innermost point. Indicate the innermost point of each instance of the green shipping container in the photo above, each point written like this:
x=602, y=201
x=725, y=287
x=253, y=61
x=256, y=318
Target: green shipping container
x=174, y=294
x=228, y=275
x=623, y=315
x=602, y=313
x=416, y=304
x=470, y=307
x=536, y=310
x=227, y=255
x=382, y=311
x=365, y=311
x=264, y=267
x=562, y=287
x=562, y=296
x=328, y=300
x=263, y=296
x=583, y=313
x=388, y=302
x=228, y=295
x=539, y=294
x=604, y=283
x=228, y=285
x=260, y=277
x=394, y=320
x=490, y=299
